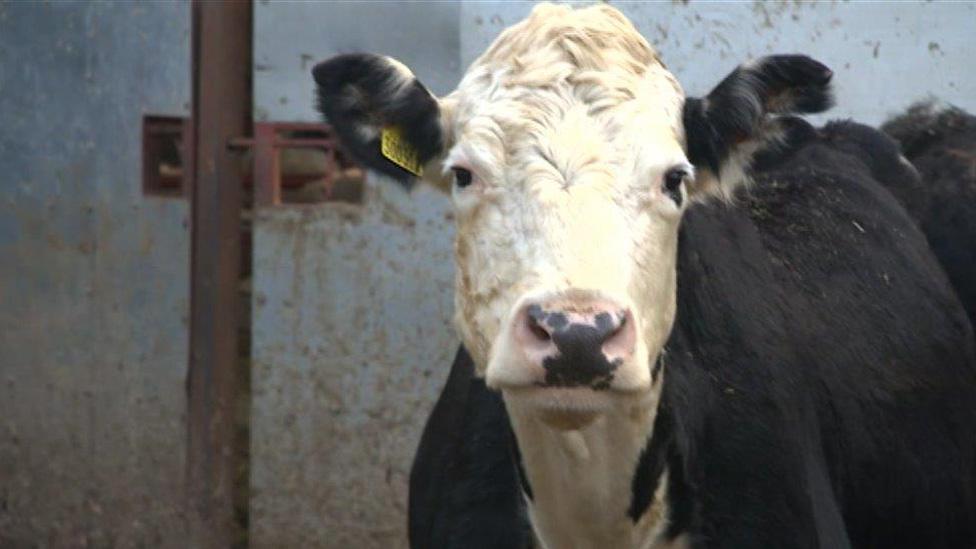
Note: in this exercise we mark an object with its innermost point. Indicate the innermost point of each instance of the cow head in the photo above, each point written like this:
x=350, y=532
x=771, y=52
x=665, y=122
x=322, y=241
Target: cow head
x=570, y=153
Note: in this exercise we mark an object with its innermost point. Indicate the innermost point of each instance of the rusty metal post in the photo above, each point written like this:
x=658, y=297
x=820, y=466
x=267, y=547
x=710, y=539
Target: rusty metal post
x=221, y=36
x=267, y=169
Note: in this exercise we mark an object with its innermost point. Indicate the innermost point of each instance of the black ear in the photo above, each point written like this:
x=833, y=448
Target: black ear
x=723, y=127
x=363, y=95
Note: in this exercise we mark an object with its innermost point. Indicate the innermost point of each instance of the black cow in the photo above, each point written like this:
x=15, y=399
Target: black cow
x=941, y=143
x=830, y=401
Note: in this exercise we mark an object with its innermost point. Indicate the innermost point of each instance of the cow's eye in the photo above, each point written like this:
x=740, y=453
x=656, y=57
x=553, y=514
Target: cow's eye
x=673, y=179
x=462, y=177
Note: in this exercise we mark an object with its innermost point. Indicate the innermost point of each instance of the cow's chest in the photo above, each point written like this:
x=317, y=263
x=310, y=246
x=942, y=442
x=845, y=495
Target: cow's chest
x=582, y=483
x=575, y=522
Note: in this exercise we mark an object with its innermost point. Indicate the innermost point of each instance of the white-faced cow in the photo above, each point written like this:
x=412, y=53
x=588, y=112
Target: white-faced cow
x=789, y=370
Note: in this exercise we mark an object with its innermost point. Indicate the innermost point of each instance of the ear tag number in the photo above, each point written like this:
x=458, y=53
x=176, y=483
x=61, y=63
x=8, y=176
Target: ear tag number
x=396, y=149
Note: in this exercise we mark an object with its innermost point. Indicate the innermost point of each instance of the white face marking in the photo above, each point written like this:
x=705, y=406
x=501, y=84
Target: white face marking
x=568, y=124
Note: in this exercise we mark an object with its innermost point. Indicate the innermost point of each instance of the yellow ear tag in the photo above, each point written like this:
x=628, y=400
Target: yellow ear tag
x=396, y=149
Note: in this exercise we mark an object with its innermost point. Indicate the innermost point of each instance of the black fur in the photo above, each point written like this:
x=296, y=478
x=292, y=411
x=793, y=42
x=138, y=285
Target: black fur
x=658, y=366
x=941, y=143
x=736, y=110
x=523, y=478
x=360, y=90
x=820, y=378
x=650, y=465
x=853, y=371
x=465, y=486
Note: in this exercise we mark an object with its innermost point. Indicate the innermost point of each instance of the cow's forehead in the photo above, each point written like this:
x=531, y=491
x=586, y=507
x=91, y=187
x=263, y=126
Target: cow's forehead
x=560, y=69
x=596, y=38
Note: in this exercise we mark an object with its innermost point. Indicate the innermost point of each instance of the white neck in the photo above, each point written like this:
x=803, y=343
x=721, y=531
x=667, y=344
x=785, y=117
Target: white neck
x=581, y=480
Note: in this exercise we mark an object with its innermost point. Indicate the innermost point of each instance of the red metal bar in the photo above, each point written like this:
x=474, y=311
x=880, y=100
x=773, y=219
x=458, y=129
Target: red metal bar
x=304, y=143
x=300, y=126
x=266, y=146
x=283, y=142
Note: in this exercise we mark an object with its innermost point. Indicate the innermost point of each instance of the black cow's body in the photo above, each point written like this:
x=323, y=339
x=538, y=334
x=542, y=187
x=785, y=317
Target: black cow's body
x=941, y=143
x=820, y=380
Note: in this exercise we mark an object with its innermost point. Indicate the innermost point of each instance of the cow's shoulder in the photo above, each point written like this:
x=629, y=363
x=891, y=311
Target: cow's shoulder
x=464, y=484
x=815, y=323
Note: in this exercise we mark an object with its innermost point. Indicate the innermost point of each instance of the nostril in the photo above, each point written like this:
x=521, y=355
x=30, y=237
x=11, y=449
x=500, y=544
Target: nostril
x=536, y=320
x=621, y=339
x=607, y=325
x=534, y=333
x=538, y=331
x=621, y=324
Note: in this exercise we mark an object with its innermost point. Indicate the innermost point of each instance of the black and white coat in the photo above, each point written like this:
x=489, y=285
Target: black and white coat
x=819, y=382
x=816, y=389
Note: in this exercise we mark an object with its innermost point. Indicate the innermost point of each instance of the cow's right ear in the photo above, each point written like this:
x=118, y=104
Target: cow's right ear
x=383, y=116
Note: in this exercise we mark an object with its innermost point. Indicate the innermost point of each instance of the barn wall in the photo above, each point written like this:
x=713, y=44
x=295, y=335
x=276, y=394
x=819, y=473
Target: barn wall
x=290, y=37
x=885, y=55
x=352, y=304
x=93, y=278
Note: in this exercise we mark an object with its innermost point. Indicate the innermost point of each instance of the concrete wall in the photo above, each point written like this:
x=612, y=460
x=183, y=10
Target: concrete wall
x=290, y=37
x=885, y=55
x=93, y=278
x=352, y=341
x=351, y=334
x=352, y=303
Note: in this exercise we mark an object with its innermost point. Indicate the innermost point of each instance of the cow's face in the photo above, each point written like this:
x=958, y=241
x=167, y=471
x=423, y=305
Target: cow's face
x=569, y=180
x=564, y=149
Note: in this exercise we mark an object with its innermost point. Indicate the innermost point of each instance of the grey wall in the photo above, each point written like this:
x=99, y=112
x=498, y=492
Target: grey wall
x=93, y=278
x=351, y=335
x=352, y=303
x=885, y=55
x=290, y=37
x=352, y=341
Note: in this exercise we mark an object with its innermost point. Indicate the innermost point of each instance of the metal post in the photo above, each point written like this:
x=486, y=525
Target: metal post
x=221, y=38
x=267, y=170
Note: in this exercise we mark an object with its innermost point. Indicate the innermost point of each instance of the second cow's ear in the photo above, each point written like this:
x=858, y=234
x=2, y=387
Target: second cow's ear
x=724, y=129
x=383, y=116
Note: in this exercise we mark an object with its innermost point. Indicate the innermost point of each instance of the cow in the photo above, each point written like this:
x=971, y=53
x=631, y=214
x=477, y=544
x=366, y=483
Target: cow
x=686, y=322
x=940, y=141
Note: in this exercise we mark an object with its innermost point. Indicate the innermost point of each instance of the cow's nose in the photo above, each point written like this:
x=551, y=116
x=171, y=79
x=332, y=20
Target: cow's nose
x=580, y=343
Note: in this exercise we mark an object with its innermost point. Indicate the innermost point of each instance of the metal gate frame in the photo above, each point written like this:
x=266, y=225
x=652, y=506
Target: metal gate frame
x=222, y=74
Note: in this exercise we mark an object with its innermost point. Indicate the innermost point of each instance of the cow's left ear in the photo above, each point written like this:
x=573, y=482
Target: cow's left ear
x=383, y=116
x=738, y=117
